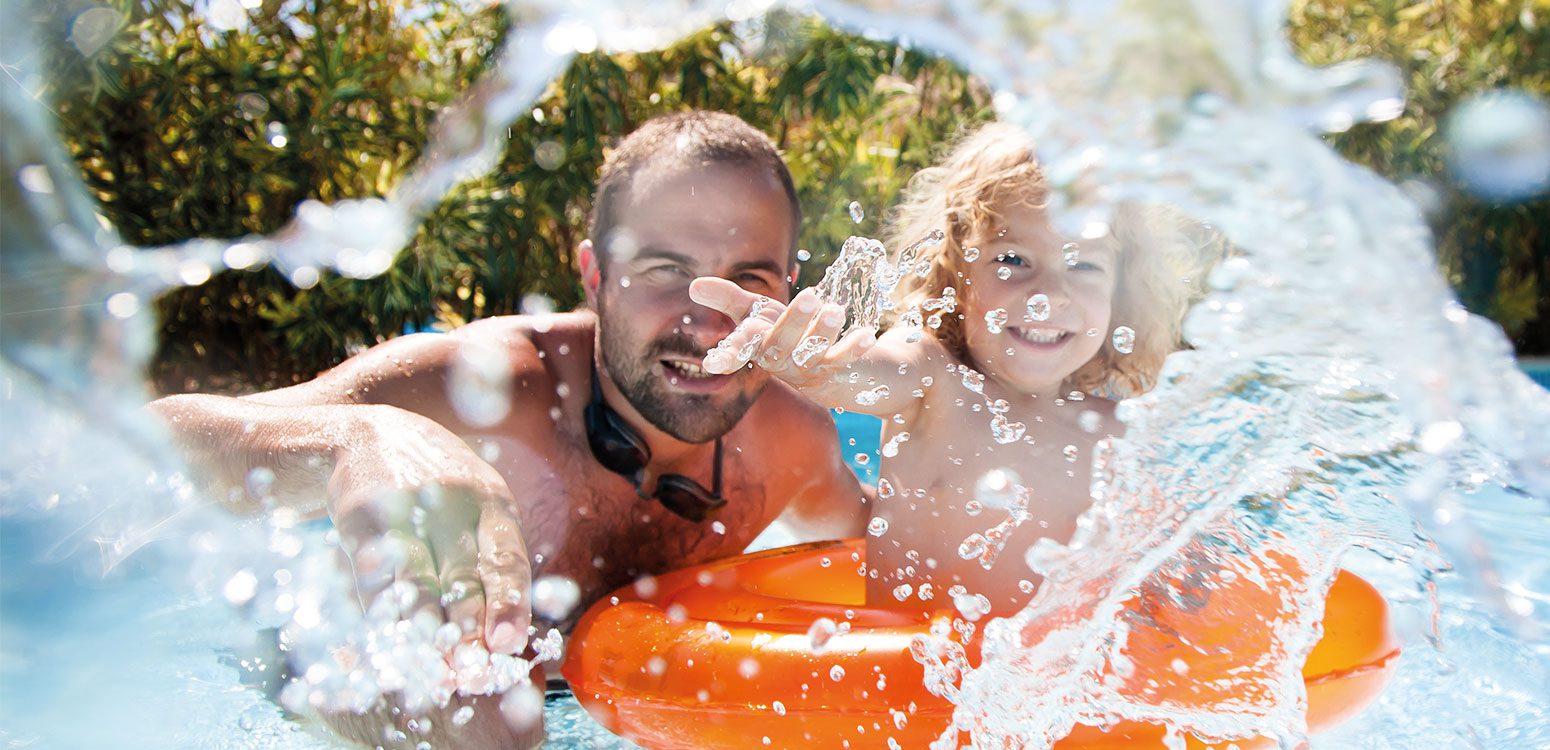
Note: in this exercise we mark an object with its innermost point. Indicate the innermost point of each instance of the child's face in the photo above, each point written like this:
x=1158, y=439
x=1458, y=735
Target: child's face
x=1024, y=258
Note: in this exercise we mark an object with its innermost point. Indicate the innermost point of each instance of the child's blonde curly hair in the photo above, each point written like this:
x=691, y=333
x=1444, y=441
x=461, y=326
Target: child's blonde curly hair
x=1162, y=256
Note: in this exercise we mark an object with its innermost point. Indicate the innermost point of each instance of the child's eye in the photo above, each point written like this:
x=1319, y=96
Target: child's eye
x=1011, y=259
x=1083, y=265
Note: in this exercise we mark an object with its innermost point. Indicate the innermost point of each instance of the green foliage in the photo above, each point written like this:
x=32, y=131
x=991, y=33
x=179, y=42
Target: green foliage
x=174, y=125
x=161, y=122
x=1496, y=256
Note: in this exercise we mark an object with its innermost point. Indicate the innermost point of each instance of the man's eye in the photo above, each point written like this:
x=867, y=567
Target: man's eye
x=750, y=281
x=666, y=273
x=1010, y=259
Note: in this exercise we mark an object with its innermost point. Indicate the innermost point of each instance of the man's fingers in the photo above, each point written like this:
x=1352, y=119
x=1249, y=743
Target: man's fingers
x=850, y=348
x=416, y=586
x=507, y=578
x=747, y=340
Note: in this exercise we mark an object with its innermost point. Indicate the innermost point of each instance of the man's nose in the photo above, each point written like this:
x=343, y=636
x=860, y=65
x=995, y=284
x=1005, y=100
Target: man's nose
x=705, y=324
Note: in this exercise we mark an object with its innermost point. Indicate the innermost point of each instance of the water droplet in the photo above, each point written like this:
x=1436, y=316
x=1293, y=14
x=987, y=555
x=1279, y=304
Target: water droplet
x=1499, y=145
x=1006, y=431
x=804, y=256
x=1179, y=666
x=554, y=597
x=1003, y=273
x=973, y=380
x=748, y=668
x=780, y=710
x=971, y=606
x=624, y=281
x=995, y=320
x=810, y=347
x=819, y=633
x=1038, y=307
x=123, y=305
x=884, y=488
x=523, y=707
x=971, y=254
x=1089, y=421
x=1070, y=452
x=972, y=547
x=856, y=212
x=1071, y=253
x=549, y=155
x=998, y=488
x=463, y=716
x=890, y=449
x=973, y=507
x=878, y=526
x=862, y=459
x=718, y=527
x=1124, y=339
x=276, y=135
x=837, y=673
x=871, y=397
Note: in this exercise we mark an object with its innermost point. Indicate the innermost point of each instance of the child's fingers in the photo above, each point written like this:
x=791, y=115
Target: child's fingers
x=723, y=296
x=790, y=330
x=849, y=349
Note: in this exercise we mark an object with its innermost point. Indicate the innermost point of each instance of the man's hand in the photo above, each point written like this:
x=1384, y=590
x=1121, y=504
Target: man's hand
x=796, y=342
x=418, y=511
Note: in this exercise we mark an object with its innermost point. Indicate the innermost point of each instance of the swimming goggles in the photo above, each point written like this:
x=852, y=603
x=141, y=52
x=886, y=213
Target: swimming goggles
x=622, y=451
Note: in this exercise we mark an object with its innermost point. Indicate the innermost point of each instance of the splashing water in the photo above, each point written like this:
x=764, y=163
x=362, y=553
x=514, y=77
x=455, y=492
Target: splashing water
x=1297, y=412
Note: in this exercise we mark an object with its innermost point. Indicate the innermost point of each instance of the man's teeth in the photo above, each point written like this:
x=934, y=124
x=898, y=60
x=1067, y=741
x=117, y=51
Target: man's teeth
x=1041, y=335
x=689, y=370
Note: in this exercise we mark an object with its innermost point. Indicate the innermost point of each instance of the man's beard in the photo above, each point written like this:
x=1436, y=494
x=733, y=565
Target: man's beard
x=690, y=417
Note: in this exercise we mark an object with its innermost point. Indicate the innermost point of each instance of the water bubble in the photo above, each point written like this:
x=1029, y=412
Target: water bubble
x=240, y=588
x=973, y=380
x=995, y=320
x=479, y=384
x=94, y=28
x=1124, y=339
x=971, y=606
x=656, y=666
x=837, y=673
x=123, y=305
x=862, y=459
x=871, y=397
x=804, y=256
x=890, y=449
x=819, y=633
x=856, y=213
x=523, y=707
x=35, y=178
x=1005, y=430
x=748, y=668
x=549, y=155
x=878, y=526
x=276, y=134
x=1071, y=253
x=902, y=591
x=554, y=597
x=624, y=281
x=780, y=710
x=1090, y=421
x=971, y=254
x=226, y=15
x=1038, y=307
x=1070, y=452
x=884, y=488
x=973, y=547
x=1499, y=145
x=810, y=347
x=998, y=488
x=1003, y=273
x=718, y=527
x=193, y=272
x=973, y=507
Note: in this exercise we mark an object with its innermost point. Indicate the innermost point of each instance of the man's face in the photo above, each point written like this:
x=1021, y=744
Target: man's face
x=727, y=221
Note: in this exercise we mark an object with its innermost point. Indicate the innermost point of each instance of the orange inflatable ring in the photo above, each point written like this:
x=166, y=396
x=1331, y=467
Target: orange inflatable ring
x=719, y=656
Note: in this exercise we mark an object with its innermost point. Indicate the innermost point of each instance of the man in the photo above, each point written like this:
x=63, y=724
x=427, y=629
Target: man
x=589, y=445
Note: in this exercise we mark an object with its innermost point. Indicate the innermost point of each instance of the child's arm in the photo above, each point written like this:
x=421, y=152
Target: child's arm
x=857, y=373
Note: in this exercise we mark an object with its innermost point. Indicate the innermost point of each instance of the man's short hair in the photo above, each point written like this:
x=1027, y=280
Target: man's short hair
x=684, y=139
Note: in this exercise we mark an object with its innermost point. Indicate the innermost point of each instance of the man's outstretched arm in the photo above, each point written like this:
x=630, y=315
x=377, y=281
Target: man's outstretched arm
x=411, y=500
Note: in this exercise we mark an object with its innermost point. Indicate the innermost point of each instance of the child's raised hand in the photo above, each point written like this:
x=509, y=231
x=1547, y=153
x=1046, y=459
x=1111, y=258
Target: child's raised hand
x=795, y=342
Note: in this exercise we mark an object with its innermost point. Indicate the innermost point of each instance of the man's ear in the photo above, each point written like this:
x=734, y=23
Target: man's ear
x=591, y=271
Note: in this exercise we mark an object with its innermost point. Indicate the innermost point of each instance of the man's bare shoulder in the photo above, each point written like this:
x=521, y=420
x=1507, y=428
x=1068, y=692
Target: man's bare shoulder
x=782, y=415
x=553, y=342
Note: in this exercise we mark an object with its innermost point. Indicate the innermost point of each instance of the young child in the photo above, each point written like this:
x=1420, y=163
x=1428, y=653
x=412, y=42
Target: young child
x=995, y=380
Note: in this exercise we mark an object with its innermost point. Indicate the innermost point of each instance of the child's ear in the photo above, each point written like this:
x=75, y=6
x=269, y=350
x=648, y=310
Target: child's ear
x=591, y=271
